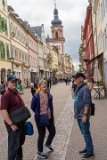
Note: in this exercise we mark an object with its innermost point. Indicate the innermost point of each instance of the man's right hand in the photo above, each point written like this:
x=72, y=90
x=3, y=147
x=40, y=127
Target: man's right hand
x=14, y=127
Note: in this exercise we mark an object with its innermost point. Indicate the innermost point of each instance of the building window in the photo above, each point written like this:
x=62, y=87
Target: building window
x=56, y=34
x=7, y=51
x=106, y=4
x=4, y=4
x=22, y=57
x=2, y=50
x=16, y=54
x=19, y=55
x=3, y=24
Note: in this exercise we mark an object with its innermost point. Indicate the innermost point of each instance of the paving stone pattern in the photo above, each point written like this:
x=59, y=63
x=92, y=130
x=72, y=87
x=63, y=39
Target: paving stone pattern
x=99, y=134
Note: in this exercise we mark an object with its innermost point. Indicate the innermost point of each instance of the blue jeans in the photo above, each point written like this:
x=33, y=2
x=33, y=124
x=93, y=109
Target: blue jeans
x=84, y=128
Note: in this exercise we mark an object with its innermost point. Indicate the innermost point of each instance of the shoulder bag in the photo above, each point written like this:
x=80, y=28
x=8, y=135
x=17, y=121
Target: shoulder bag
x=20, y=115
x=44, y=120
x=92, y=109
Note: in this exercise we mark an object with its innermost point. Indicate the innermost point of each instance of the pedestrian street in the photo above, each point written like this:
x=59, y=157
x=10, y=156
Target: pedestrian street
x=63, y=108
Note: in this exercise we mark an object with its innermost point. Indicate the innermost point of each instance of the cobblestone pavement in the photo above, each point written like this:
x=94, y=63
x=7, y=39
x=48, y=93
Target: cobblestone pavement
x=63, y=128
x=68, y=140
x=63, y=120
x=99, y=134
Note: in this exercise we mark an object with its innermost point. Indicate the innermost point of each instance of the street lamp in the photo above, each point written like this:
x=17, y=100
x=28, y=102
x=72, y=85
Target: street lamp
x=12, y=61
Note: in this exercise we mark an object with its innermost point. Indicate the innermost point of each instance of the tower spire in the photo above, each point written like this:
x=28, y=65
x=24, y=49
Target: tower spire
x=55, y=3
x=56, y=20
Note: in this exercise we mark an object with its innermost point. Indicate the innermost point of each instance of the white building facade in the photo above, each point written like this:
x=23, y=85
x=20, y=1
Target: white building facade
x=19, y=47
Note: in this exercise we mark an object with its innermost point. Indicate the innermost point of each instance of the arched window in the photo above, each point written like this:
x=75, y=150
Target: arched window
x=56, y=34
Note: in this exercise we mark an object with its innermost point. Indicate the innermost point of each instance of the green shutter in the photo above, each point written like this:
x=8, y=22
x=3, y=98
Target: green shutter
x=2, y=50
x=5, y=25
x=7, y=50
x=0, y=23
x=3, y=1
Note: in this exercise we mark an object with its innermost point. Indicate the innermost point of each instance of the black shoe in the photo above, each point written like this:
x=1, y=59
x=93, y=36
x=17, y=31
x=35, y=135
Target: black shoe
x=87, y=155
x=48, y=148
x=83, y=151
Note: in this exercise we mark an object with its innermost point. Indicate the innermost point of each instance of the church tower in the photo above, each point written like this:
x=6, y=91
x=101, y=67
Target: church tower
x=57, y=32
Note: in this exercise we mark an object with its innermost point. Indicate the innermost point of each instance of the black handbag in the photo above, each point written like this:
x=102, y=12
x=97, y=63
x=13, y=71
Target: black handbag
x=20, y=115
x=43, y=120
x=92, y=109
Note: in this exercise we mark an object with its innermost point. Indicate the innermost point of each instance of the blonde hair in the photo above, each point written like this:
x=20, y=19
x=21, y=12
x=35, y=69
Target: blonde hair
x=42, y=81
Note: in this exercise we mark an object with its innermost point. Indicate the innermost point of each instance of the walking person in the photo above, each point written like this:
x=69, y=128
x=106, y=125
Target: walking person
x=82, y=105
x=11, y=101
x=2, y=88
x=48, y=84
x=73, y=88
x=42, y=106
x=66, y=80
x=19, y=86
x=33, y=88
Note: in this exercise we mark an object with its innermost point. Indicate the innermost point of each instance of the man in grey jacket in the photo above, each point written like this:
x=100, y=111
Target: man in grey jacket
x=82, y=105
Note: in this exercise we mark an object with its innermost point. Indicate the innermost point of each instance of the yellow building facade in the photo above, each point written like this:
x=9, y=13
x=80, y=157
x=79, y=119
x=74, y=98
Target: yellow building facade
x=54, y=53
x=68, y=65
x=5, y=65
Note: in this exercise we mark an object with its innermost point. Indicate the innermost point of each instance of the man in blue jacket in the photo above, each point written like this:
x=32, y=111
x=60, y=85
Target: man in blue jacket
x=82, y=104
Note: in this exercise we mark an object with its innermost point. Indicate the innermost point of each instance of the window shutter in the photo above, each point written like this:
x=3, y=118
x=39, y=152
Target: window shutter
x=5, y=26
x=7, y=50
x=0, y=23
x=2, y=50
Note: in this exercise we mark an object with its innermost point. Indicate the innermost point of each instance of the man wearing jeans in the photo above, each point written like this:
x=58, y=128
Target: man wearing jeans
x=82, y=104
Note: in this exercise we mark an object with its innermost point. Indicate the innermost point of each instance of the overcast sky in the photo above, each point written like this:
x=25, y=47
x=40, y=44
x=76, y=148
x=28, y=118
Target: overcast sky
x=71, y=12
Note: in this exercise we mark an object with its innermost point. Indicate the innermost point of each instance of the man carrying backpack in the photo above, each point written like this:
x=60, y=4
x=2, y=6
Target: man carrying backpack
x=82, y=107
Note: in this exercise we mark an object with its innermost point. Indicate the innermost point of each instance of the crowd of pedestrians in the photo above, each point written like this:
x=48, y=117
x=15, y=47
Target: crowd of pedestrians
x=42, y=106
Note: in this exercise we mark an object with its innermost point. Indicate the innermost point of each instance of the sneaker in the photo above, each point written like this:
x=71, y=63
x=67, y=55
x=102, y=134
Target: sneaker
x=87, y=155
x=48, y=148
x=83, y=151
x=42, y=155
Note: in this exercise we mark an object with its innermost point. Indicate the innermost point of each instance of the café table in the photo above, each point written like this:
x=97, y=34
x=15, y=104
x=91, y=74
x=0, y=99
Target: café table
x=98, y=91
